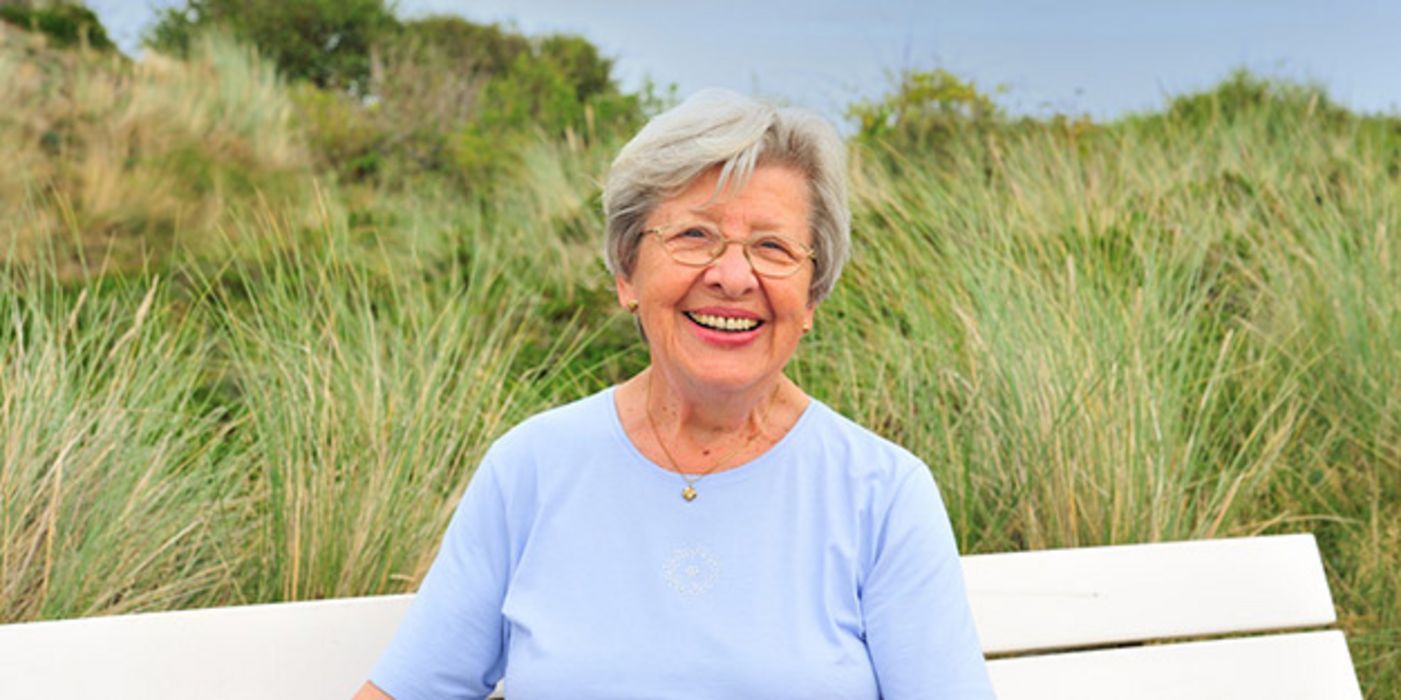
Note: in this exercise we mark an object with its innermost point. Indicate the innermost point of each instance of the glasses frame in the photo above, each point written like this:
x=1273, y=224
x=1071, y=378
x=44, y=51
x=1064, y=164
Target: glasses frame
x=808, y=252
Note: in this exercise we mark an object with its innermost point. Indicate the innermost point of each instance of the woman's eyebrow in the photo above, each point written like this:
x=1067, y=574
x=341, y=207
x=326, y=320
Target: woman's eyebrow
x=758, y=223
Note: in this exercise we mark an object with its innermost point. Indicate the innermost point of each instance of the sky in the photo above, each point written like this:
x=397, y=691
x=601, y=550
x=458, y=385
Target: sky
x=1104, y=58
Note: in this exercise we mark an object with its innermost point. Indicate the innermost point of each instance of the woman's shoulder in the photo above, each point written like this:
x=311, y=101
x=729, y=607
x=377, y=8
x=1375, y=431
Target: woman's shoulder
x=543, y=453
x=584, y=419
x=858, y=449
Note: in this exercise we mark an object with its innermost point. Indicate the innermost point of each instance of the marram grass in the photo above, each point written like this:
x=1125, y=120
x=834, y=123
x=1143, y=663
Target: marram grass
x=1179, y=325
x=113, y=491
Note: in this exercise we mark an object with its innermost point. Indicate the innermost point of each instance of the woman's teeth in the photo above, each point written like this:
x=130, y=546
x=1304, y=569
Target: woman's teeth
x=732, y=324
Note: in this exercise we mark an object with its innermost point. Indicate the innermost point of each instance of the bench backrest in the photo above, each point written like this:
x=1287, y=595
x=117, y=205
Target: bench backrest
x=1057, y=624
x=1093, y=609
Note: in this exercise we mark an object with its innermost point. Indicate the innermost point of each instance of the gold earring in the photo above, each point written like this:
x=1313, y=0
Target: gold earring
x=806, y=327
x=632, y=306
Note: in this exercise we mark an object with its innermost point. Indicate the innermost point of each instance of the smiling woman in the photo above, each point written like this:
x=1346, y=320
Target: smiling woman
x=705, y=529
x=720, y=326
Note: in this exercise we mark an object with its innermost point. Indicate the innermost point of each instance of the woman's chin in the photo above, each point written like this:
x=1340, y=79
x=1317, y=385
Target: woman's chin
x=717, y=375
x=726, y=361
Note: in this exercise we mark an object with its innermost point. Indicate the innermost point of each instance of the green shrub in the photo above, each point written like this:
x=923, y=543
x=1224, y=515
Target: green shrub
x=583, y=67
x=342, y=135
x=1242, y=95
x=327, y=42
x=924, y=108
x=453, y=99
x=480, y=48
x=65, y=24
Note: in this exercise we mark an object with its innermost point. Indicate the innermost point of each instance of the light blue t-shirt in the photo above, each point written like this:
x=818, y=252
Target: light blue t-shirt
x=825, y=568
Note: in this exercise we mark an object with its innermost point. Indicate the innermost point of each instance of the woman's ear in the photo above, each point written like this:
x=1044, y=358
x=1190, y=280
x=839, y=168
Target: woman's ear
x=629, y=301
x=626, y=298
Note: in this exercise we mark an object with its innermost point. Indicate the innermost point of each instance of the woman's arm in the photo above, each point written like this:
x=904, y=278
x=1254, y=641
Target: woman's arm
x=370, y=691
x=451, y=641
x=919, y=629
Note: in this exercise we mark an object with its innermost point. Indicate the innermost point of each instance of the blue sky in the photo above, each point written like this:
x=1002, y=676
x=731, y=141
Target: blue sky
x=1101, y=57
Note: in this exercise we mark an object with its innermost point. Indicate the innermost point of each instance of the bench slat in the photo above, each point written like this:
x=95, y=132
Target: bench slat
x=320, y=649
x=1061, y=599
x=1021, y=601
x=1302, y=666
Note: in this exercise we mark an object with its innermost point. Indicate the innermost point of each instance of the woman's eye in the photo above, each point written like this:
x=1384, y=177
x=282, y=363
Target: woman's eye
x=691, y=237
x=775, y=246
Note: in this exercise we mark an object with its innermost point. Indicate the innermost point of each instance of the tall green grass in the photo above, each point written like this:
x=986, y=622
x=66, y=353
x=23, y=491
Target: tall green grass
x=1180, y=325
x=1153, y=330
x=114, y=483
x=367, y=396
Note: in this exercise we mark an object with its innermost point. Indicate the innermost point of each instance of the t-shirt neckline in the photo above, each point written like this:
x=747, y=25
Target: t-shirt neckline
x=736, y=473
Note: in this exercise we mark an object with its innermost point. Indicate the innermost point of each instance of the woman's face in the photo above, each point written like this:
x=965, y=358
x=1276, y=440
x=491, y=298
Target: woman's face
x=684, y=309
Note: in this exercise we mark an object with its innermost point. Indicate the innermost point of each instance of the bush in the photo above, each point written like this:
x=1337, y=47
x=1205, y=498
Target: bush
x=453, y=98
x=480, y=48
x=924, y=108
x=327, y=42
x=343, y=136
x=65, y=25
x=1243, y=96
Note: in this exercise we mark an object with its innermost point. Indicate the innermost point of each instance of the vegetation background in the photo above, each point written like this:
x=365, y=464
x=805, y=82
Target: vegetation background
x=266, y=295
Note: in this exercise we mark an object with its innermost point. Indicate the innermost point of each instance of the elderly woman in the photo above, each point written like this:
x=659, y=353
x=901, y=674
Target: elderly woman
x=705, y=529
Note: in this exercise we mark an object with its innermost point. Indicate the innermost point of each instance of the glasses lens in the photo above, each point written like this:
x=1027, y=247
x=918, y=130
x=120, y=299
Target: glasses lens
x=771, y=254
x=692, y=245
x=774, y=255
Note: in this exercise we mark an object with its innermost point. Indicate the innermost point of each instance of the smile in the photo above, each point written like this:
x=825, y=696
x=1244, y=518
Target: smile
x=724, y=324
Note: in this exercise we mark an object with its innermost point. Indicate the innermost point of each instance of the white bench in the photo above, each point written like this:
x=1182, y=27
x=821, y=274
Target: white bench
x=1071, y=623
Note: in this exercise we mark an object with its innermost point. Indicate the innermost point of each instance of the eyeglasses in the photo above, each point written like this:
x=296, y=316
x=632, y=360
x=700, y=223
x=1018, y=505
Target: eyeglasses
x=699, y=244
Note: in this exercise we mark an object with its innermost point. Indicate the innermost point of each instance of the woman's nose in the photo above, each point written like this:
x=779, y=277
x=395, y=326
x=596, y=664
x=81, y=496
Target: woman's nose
x=732, y=271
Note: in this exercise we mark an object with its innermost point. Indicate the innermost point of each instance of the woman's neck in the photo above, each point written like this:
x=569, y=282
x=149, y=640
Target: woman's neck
x=703, y=415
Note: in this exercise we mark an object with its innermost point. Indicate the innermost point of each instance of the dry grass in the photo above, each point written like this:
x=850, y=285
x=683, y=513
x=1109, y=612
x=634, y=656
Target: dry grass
x=120, y=165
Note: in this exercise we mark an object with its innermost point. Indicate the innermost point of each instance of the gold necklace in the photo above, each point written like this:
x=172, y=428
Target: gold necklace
x=689, y=493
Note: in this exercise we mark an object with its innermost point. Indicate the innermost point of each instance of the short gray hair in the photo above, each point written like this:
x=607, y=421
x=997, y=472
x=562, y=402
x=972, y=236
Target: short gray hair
x=736, y=133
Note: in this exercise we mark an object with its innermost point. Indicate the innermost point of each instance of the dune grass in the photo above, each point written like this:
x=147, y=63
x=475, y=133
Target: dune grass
x=1145, y=333
x=114, y=482
x=1180, y=325
x=122, y=164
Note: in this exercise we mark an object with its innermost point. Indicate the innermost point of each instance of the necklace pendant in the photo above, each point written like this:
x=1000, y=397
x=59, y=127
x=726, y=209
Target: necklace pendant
x=688, y=493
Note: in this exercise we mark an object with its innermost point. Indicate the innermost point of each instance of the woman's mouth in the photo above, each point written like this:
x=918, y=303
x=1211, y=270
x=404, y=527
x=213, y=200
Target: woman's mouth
x=724, y=324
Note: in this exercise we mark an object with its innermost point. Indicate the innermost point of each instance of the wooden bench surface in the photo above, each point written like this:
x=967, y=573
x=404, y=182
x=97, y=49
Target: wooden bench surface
x=318, y=649
x=1066, y=598
x=1300, y=666
x=1024, y=604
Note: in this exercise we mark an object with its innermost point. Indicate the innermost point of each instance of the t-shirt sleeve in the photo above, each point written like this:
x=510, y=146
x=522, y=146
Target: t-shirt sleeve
x=919, y=630
x=451, y=643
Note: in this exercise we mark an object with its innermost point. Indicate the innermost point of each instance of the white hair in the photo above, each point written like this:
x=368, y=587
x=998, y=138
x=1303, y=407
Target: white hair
x=719, y=128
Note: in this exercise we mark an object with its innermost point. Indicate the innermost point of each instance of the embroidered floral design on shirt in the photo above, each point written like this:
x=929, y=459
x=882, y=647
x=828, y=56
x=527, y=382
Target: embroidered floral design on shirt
x=692, y=570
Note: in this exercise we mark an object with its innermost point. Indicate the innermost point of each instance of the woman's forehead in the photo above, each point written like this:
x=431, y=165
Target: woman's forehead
x=715, y=215
x=769, y=187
